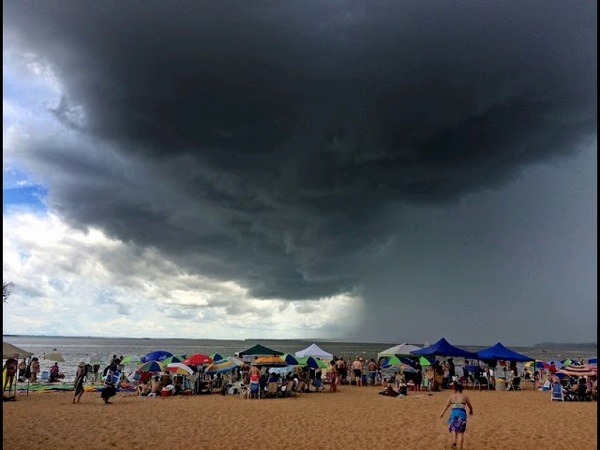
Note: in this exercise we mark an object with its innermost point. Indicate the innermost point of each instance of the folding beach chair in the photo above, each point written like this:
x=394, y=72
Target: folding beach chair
x=272, y=389
x=556, y=392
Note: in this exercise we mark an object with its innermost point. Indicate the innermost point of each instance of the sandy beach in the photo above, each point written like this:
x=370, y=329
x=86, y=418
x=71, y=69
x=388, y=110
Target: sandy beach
x=352, y=418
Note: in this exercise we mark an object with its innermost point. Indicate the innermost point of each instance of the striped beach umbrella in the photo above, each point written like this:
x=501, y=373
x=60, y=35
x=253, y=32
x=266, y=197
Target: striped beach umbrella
x=224, y=365
x=579, y=371
x=151, y=366
x=180, y=369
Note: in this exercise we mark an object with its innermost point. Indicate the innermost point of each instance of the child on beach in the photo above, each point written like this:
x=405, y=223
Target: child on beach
x=457, y=422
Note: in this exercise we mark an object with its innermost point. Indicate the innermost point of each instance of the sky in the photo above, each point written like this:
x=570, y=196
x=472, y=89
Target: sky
x=367, y=171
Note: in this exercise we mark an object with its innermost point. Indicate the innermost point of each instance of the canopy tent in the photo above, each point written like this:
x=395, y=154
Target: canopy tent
x=500, y=352
x=398, y=350
x=258, y=350
x=315, y=351
x=444, y=348
x=9, y=351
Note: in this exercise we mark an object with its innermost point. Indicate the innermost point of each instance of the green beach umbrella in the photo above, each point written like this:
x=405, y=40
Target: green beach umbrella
x=172, y=359
x=424, y=361
x=131, y=359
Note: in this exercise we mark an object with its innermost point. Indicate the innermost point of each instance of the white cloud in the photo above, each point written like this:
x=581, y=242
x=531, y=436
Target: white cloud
x=70, y=282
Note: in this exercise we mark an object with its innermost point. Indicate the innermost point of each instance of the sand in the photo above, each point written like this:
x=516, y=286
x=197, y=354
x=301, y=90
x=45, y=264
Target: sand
x=352, y=418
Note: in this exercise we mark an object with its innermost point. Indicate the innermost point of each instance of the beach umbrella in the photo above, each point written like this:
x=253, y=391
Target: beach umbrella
x=157, y=355
x=216, y=356
x=407, y=369
x=131, y=359
x=94, y=361
x=311, y=362
x=12, y=351
x=270, y=361
x=197, y=359
x=172, y=359
x=569, y=362
x=579, y=371
x=538, y=364
x=151, y=366
x=426, y=361
x=290, y=359
x=180, y=369
x=224, y=365
x=54, y=355
x=392, y=361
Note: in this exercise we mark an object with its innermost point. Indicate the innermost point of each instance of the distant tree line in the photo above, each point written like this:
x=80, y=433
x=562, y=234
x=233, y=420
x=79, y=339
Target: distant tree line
x=566, y=345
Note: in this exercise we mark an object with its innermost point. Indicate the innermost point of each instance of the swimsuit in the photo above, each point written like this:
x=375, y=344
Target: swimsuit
x=457, y=421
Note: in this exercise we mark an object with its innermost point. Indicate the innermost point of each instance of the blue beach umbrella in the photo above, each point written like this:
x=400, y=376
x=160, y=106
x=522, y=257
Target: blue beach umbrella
x=157, y=355
x=216, y=356
x=290, y=359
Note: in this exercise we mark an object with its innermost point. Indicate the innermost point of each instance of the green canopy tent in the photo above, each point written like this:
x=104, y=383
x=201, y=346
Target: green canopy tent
x=258, y=351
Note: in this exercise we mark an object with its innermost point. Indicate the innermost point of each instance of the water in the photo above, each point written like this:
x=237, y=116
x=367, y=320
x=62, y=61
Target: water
x=76, y=349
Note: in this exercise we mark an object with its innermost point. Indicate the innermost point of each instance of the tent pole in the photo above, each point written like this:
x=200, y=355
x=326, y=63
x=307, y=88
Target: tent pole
x=29, y=365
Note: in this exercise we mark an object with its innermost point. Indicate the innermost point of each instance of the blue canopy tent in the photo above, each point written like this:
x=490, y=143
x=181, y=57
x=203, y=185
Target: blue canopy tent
x=444, y=348
x=500, y=352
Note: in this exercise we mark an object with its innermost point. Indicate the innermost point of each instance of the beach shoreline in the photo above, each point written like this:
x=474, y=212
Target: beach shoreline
x=353, y=417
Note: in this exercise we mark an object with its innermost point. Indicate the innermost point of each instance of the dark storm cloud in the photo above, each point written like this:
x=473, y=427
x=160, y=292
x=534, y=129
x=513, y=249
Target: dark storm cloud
x=263, y=142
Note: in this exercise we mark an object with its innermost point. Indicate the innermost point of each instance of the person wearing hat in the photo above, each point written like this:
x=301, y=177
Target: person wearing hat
x=79, y=379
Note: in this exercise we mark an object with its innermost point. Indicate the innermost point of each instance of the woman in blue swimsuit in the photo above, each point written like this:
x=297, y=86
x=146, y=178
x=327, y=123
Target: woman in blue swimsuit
x=457, y=422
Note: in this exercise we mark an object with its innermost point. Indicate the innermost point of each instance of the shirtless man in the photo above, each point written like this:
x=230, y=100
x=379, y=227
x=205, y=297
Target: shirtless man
x=340, y=365
x=357, y=370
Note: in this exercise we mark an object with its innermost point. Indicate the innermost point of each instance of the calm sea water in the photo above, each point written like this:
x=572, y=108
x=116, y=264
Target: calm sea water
x=76, y=349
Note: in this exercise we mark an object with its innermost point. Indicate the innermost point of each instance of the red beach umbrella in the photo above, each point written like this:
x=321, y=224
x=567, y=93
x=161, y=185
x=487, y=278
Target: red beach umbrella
x=197, y=359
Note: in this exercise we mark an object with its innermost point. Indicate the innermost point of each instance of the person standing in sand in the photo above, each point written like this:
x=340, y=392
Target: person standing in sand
x=457, y=422
x=79, y=379
x=10, y=366
x=254, y=381
x=357, y=370
x=35, y=369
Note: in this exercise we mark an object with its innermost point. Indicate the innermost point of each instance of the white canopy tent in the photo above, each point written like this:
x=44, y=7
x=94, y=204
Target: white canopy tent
x=315, y=351
x=398, y=350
